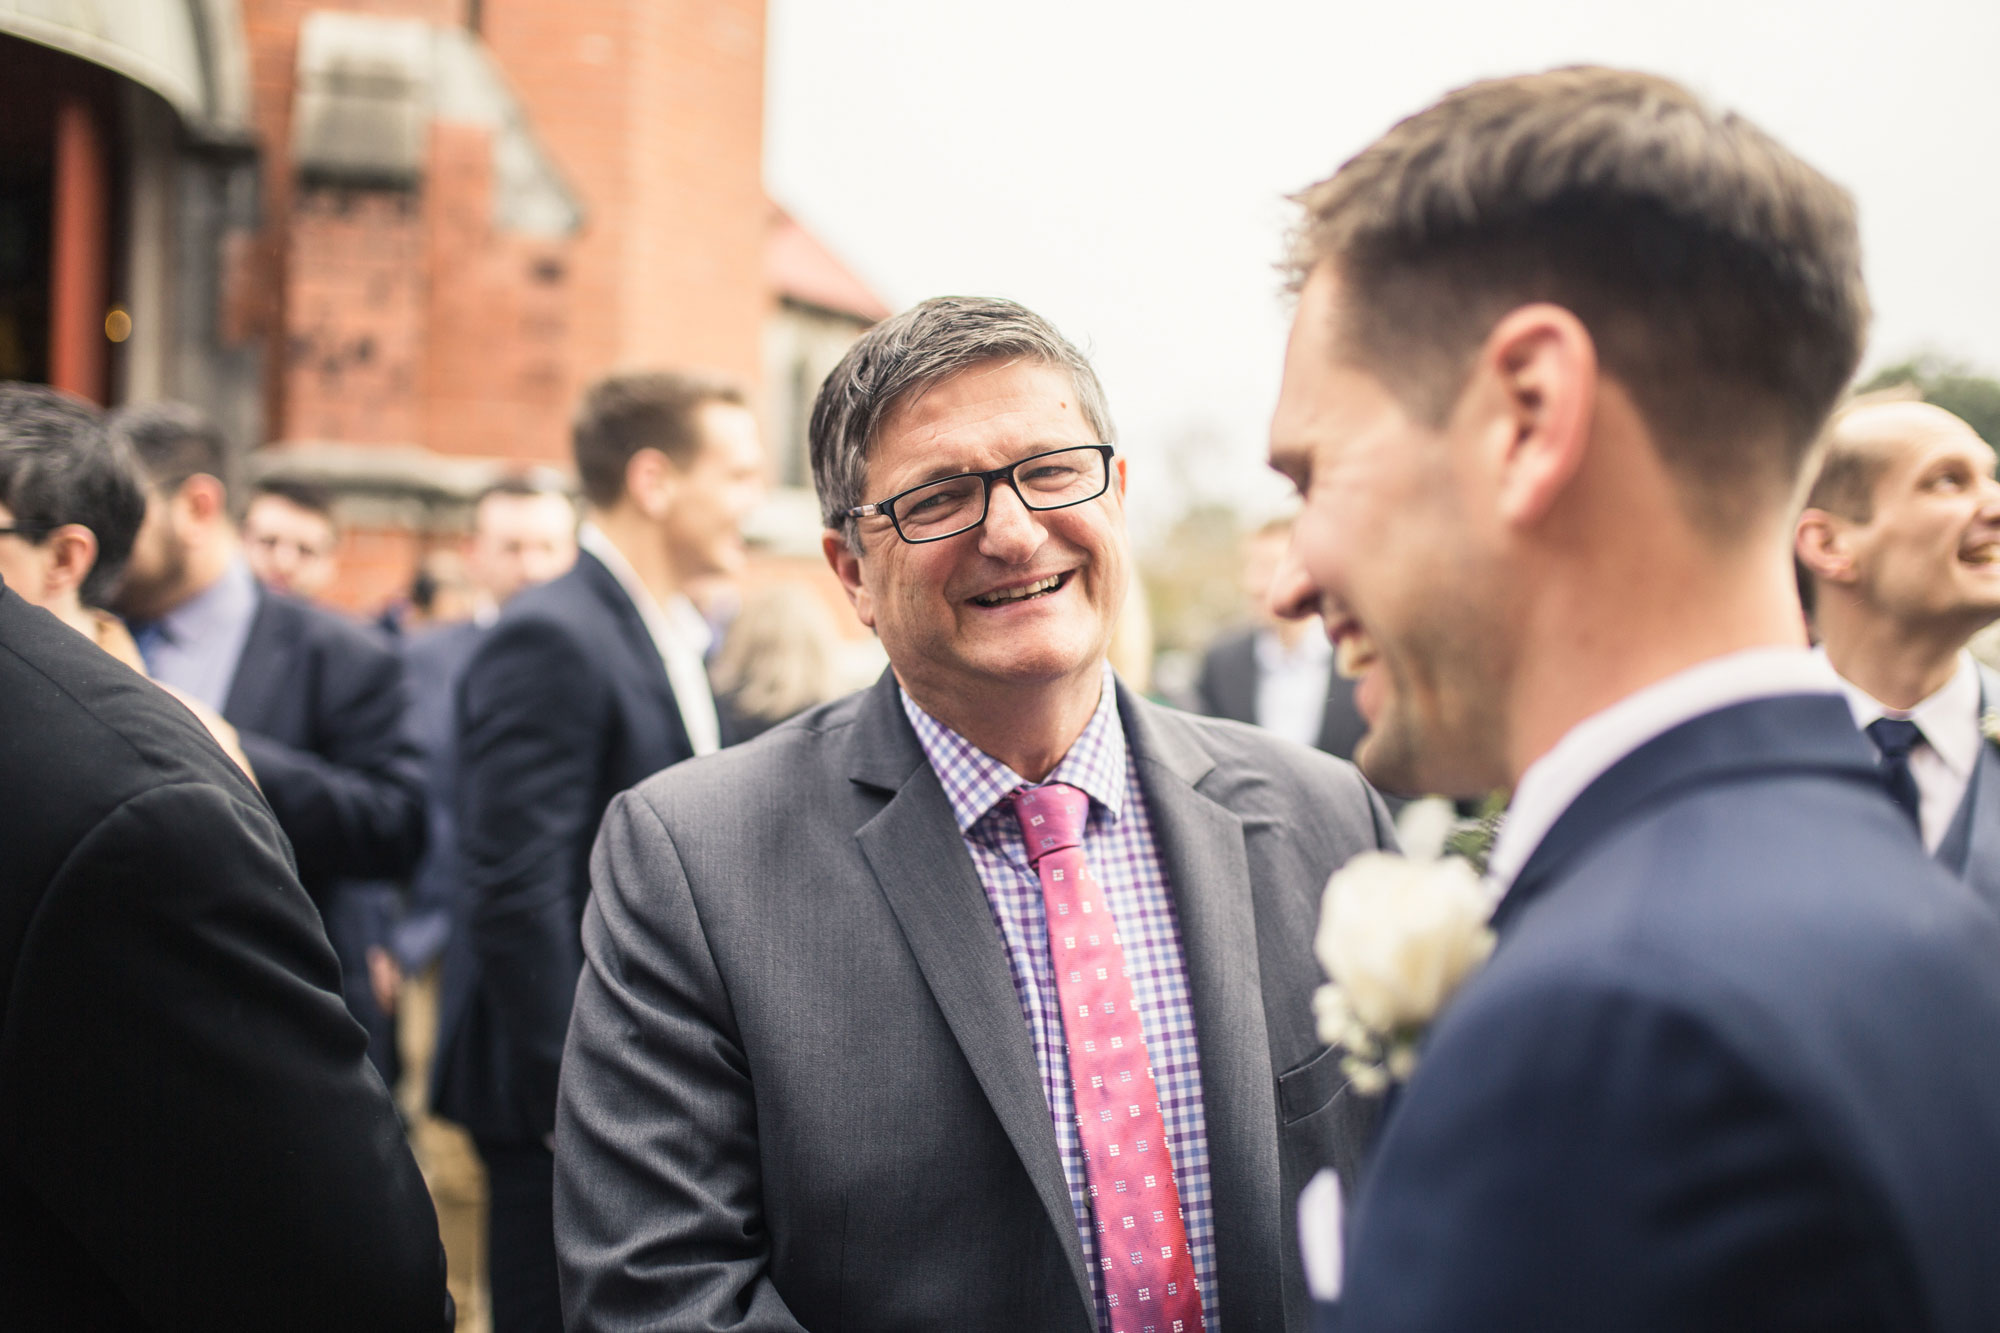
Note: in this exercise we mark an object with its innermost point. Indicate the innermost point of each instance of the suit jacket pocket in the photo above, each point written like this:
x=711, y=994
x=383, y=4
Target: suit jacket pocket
x=1311, y=1086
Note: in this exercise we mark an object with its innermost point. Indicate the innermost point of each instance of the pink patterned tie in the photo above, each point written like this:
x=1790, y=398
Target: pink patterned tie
x=1142, y=1244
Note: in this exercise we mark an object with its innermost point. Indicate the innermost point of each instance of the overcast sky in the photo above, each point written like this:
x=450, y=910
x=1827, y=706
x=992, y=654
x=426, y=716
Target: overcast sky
x=1121, y=167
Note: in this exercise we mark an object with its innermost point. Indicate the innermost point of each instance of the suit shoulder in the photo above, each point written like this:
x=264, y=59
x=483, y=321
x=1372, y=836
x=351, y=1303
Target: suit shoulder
x=326, y=631
x=1239, y=745
x=91, y=731
x=796, y=754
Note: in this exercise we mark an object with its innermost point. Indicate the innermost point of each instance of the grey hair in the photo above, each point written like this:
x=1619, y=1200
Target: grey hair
x=908, y=354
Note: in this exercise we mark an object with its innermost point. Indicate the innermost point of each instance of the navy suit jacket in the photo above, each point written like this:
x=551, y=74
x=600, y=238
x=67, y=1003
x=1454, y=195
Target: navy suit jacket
x=1227, y=687
x=1735, y=1064
x=318, y=702
x=564, y=704
x=1971, y=846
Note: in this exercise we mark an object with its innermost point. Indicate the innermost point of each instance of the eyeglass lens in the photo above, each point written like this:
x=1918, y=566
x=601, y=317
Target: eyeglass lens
x=954, y=504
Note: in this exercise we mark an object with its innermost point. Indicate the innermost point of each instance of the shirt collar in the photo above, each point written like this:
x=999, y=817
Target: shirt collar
x=212, y=614
x=975, y=782
x=1593, y=745
x=1949, y=718
x=678, y=616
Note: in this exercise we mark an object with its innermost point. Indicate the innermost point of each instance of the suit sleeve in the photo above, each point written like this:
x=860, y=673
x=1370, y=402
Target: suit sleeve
x=533, y=717
x=658, y=1191
x=353, y=804
x=1589, y=1159
x=187, y=1094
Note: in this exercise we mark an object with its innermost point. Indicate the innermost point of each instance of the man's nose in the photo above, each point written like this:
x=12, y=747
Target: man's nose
x=1292, y=594
x=1012, y=531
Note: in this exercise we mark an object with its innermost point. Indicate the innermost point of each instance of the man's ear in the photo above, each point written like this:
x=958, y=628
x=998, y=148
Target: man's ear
x=652, y=482
x=1536, y=380
x=203, y=498
x=847, y=568
x=1820, y=540
x=73, y=554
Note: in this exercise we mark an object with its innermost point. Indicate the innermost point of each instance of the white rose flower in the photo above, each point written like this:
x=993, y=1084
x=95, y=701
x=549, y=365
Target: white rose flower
x=1396, y=938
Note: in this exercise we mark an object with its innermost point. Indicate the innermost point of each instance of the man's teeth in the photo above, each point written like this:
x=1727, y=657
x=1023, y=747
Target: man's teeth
x=1986, y=553
x=1024, y=591
x=1353, y=654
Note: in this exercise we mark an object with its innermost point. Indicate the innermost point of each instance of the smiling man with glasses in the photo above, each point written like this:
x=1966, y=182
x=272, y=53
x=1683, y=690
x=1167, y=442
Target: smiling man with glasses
x=980, y=999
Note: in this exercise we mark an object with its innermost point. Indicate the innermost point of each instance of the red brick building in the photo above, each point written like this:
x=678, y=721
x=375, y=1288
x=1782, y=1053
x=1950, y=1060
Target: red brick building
x=385, y=242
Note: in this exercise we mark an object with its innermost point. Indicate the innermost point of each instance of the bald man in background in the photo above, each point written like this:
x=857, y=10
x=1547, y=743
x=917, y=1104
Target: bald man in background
x=1899, y=548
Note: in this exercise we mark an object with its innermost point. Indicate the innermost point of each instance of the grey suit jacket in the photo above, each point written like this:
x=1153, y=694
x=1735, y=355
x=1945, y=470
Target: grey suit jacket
x=799, y=1091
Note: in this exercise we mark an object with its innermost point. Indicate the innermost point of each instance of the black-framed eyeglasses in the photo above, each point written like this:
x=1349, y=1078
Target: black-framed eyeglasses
x=27, y=532
x=948, y=506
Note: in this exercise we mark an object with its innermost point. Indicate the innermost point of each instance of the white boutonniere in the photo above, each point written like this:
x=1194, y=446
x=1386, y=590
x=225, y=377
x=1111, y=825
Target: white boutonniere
x=1397, y=938
x=1989, y=725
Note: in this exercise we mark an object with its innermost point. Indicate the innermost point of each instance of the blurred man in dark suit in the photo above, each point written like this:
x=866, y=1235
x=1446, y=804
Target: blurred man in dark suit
x=1278, y=674
x=190, y=1137
x=1900, y=539
x=584, y=687
x=317, y=699
x=1563, y=347
x=523, y=533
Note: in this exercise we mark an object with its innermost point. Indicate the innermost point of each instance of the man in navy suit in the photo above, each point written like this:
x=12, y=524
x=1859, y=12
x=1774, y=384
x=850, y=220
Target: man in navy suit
x=1562, y=348
x=1900, y=542
x=317, y=699
x=586, y=686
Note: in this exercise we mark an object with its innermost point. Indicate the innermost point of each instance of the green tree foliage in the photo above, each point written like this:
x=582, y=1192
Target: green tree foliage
x=1952, y=385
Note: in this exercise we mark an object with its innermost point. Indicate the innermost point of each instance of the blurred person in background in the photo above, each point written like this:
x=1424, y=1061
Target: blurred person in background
x=317, y=700
x=1279, y=674
x=72, y=499
x=584, y=686
x=192, y=1137
x=777, y=658
x=289, y=536
x=523, y=533
x=1900, y=542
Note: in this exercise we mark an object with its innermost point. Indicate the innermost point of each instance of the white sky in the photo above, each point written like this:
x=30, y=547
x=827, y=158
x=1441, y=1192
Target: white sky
x=1121, y=167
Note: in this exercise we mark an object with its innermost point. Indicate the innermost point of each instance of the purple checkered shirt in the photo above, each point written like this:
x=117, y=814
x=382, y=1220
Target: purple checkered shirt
x=1119, y=845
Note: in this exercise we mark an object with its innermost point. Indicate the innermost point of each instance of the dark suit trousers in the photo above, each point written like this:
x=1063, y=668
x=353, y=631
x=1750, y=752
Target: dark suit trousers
x=520, y=1236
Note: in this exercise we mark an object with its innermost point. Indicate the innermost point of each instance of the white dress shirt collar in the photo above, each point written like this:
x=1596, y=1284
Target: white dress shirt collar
x=680, y=635
x=1593, y=745
x=1942, y=764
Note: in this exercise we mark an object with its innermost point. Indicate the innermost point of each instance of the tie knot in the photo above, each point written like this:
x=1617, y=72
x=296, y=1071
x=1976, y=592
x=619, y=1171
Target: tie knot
x=1894, y=736
x=1051, y=817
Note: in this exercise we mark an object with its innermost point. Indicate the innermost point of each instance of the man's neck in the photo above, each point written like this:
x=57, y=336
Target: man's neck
x=1029, y=728
x=1898, y=665
x=1582, y=662
x=638, y=540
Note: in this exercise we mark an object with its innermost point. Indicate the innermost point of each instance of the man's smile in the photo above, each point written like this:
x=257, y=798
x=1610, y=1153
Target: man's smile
x=1024, y=590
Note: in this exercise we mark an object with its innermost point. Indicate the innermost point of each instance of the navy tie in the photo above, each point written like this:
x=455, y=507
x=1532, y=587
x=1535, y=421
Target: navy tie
x=1895, y=737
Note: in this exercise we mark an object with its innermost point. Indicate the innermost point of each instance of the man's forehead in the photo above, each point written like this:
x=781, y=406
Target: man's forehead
x=1903, y=432
x=1009, y=404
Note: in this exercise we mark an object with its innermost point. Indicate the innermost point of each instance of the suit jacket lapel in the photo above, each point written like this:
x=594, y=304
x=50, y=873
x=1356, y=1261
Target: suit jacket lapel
x=1804, y=731
x=638, y=640
x=1971, y=847
x=1202, y=847
x=267, y=654
x=927, y=876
